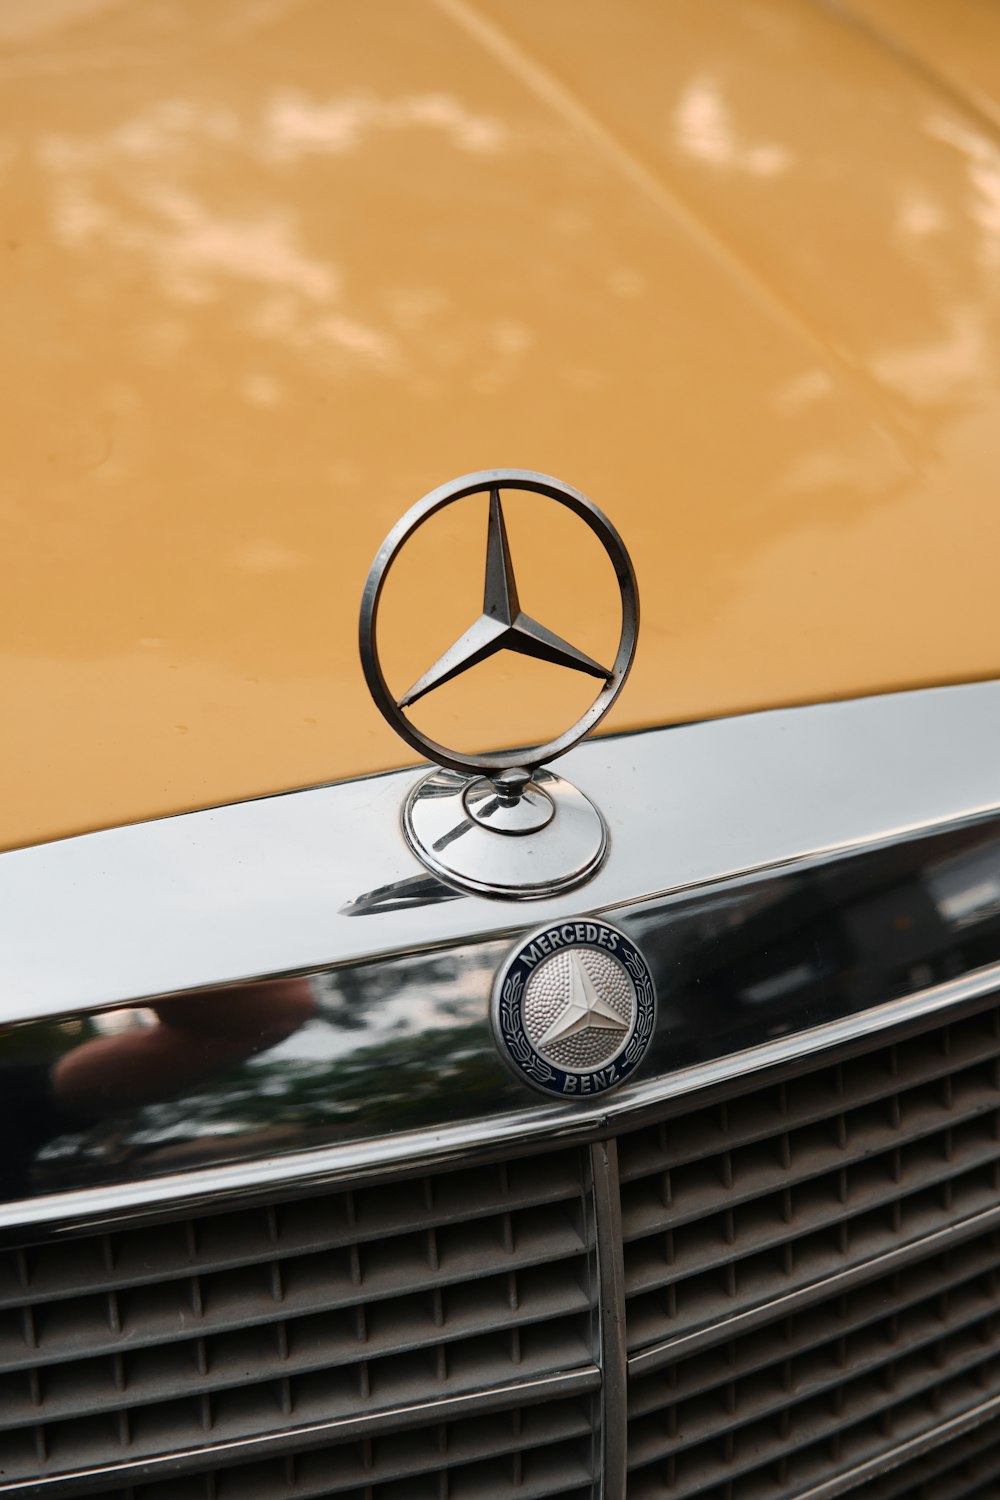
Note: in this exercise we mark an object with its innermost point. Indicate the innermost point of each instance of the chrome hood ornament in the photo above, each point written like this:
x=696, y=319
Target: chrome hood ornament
x=498, y=823
x=502, y=626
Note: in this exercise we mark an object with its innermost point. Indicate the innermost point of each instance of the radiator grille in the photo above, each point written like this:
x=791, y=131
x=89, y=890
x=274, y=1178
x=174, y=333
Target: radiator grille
x=121, y=1346
x=729, y=1207
x=825, y=1389
x=811, y=1283
x=754, y=1234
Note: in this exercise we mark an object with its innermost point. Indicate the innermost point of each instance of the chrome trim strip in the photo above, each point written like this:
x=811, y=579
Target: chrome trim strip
x=493, y=1398
x=655, y=1356
x=611, y=1281
x=324, y=877
x=415, y=1151
x=892, y=1459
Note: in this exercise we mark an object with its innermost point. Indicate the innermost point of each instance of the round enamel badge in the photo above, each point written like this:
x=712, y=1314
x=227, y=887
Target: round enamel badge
x=574, y=1008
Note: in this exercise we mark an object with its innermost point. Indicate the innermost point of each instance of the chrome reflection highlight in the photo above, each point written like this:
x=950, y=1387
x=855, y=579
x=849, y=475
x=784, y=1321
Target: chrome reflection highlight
x=471, y=839
x=277, y=886
x=502, y=625
x=358, y=1066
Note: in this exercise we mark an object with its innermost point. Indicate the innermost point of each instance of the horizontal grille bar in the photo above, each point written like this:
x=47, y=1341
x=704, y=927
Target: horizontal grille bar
x=857, y=1135
x=654, y=1356
x=820, y=1351
x=953, y=1470
x=866, y=1416
x=962, y=1284
x=517, y=1451
x=271, y=1448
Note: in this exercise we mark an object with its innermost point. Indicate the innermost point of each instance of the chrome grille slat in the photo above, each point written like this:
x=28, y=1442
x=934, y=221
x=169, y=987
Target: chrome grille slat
x=952, y=1471
x=814, y=1254
x=811, y=1370
x=210, y=1459
x=230, y=1414
x=137, y=1256
x=613, y=1351
x=974, y=1140
x=842, y=1316
x=818, y=1443
x=524, y=1451
x=759, y=1315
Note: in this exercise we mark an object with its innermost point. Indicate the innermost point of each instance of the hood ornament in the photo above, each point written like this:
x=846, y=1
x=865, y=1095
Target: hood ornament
x=502, y=626
x=498, y=823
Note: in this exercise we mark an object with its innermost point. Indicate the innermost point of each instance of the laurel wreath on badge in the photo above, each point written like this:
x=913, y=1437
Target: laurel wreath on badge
x=518, y=1045
x=645, y=998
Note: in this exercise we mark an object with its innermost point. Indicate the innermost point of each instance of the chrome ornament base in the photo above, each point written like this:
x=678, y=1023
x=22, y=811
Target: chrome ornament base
x=512, y=802
x=546, y=839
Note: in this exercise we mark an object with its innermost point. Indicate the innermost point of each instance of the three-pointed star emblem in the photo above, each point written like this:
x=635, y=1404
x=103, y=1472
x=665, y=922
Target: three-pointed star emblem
x=502, y=626
x=584, y=1010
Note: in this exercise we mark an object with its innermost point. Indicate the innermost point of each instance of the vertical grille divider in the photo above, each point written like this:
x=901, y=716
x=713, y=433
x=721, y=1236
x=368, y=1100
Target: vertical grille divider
x=611, y=1319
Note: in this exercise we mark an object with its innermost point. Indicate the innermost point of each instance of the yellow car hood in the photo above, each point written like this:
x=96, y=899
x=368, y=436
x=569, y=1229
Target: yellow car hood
x=273, y=270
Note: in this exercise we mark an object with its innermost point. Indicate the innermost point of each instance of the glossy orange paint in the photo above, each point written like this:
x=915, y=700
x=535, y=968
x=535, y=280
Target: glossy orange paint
x=270, y=271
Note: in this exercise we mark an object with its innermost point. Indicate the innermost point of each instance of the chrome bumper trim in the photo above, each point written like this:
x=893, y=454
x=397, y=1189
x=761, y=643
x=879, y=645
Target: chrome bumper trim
x=395, y=1068
x=323, y=878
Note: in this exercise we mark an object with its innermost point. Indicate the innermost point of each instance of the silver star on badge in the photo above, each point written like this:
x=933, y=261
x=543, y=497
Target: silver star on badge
x=584, y=1010
x=502, y=626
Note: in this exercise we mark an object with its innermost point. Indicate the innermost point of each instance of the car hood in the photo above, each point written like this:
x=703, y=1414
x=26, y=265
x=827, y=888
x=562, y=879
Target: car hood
x=274, y=270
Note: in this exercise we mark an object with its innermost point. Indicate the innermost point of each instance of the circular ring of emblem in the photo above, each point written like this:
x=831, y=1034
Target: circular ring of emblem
x=502, y=625
x=574, y=1008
